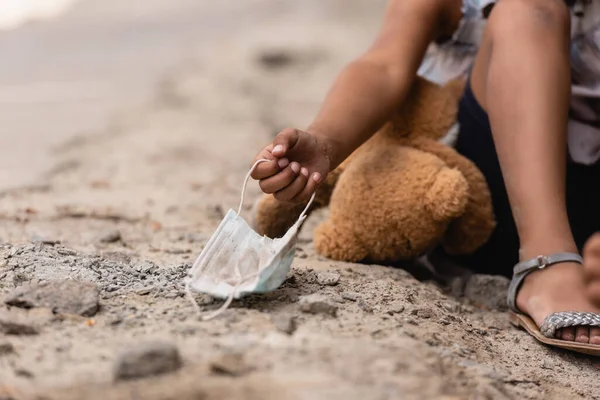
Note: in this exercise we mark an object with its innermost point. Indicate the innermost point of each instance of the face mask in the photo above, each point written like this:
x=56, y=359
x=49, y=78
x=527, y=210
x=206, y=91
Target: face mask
x=237, y=261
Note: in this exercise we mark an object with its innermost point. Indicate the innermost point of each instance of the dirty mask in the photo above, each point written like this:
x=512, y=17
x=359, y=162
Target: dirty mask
x=237, y=261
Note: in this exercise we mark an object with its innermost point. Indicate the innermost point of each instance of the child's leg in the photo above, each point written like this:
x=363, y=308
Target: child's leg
x=522, y=78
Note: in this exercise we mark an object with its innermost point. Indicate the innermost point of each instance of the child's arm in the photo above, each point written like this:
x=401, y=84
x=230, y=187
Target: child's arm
x=364, y=95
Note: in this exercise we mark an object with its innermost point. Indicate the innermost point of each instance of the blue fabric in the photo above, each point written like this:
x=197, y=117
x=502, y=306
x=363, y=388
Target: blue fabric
x=500, y=253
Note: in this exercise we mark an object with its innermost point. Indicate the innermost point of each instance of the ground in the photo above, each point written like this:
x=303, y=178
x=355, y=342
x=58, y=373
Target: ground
x=129, y=207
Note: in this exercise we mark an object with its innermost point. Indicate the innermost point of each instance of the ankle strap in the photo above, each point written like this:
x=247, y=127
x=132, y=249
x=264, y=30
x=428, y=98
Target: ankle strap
x=524, y=268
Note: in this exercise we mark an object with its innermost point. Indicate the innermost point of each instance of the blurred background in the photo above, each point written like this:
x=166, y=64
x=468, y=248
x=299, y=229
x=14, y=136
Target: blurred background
x=70, y=67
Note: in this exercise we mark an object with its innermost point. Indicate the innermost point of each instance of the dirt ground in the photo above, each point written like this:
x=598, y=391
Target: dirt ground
x=130, y=208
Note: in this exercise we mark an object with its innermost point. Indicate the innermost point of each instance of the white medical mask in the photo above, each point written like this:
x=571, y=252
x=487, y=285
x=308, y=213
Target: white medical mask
x=237, y=261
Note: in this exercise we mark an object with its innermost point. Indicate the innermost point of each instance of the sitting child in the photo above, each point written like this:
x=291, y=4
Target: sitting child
x=529, y=119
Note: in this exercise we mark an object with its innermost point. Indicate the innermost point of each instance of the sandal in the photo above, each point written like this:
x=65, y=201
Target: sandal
x=555, y=321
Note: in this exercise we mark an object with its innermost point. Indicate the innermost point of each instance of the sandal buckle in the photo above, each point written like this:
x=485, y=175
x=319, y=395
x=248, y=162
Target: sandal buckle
x=542, y=262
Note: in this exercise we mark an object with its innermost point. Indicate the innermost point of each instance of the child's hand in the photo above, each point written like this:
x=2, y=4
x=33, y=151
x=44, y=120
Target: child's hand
x=299, y=163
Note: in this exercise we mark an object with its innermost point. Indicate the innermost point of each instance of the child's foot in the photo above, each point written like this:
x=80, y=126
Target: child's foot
x=565, y=287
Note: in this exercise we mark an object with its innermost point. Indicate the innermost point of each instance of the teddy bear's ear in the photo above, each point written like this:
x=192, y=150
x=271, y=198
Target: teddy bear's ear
x=448, y=196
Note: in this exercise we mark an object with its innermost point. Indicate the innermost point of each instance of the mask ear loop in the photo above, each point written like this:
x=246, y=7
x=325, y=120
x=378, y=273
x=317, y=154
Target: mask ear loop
x=241, y=280
x=226, y=304
x=249, y=174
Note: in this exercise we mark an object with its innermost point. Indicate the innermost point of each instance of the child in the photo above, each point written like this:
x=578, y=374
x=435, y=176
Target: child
x=529, y=119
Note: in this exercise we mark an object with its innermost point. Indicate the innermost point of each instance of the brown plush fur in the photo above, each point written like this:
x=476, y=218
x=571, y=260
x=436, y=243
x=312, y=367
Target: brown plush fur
x=400, y=193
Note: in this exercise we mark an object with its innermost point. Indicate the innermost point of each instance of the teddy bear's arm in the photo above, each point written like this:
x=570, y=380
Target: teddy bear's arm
x=474, y=227
x=273, y=218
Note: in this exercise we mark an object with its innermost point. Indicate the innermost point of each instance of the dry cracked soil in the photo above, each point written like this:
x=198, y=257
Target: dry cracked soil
x=92, y=259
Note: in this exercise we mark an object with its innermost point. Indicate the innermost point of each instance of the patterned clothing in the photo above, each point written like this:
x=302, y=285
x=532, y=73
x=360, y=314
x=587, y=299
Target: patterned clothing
x=455, y=56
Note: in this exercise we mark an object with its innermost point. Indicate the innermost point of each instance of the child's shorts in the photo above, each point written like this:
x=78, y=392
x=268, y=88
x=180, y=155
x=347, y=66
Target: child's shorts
x=500, y=253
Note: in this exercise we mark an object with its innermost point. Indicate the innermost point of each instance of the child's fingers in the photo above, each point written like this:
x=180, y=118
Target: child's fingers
x=280, y=180
x=292, y=190
x=266, y=169
x=269, y=169
x=285, y=140
x=308, y=190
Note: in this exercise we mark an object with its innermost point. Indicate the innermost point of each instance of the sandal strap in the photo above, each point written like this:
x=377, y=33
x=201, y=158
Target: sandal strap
x=559, y=320
x=524, y=268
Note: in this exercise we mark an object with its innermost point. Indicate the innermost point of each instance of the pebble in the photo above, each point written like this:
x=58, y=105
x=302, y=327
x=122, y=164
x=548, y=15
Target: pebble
x=423, y=313
x=109, y=236
x=318, y=304
x=195, y=237
x=10, y=324
x=450, y=307
x=65, y=297
x=488, y=291
x=6, y=348
x=351, y=296
x=25, y=373
x=328, y=278
x=147, y=359
x=231, y=364
x=364, y=306
x=395, y=308
x=44, y=240
x=275, y=59
x=284, y=323
x=144, y=291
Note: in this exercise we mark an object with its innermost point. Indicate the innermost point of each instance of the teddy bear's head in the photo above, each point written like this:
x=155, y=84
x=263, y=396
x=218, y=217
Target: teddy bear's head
x=407, y=199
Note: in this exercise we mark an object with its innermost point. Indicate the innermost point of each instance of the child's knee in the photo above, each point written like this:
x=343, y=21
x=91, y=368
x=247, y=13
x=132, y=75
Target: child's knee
x=529, y=18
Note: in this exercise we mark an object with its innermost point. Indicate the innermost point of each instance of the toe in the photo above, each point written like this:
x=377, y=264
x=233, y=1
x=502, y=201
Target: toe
x=582, y=334
x=568, y=334
x=594, y=335
x=591, y=258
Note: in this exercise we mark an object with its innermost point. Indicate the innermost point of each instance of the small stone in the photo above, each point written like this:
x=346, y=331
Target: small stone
x=144, y=291
x=147, y=359
x=231, y=364
x=115, y=321
x=275, y=59
x=301, y=255
x=364, y=306
x=450, y=307
x=351, y=296
x=328, y=278
x=112, y=288
x=109, y=236
x=424, y=313
x=65, y=297
x=172, y=294
x=546, y=364
x=195, y=237
x=44, y=240
x=284, y=323
x=395, y=308
x=411, y=296
x=488, y=291
x=318, y=304
x=24, y=373
x=6, y=348
x=11, y=324
x=117, y=256
x=177, y=251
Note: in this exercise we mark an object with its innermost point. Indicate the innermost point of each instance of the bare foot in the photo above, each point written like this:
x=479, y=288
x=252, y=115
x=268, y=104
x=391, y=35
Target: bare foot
x=565, y=287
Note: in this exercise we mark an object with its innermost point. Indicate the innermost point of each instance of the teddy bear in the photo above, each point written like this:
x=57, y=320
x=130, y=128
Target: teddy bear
x=400, y=194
